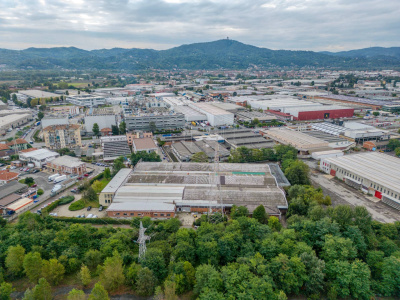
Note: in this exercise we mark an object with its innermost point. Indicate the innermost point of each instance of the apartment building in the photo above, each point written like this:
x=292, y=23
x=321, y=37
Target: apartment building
x=62, y=136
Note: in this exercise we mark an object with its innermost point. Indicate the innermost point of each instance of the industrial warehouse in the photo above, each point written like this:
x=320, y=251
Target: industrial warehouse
x=159, y=190
x=374, y=173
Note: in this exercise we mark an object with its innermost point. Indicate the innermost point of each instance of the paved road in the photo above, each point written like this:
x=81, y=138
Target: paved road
x=343, y=194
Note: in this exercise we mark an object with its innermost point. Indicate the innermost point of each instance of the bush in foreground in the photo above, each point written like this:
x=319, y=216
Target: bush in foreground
x=77, y=205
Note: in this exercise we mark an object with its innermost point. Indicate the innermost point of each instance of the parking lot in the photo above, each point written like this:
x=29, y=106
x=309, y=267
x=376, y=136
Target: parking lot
x=63, y=211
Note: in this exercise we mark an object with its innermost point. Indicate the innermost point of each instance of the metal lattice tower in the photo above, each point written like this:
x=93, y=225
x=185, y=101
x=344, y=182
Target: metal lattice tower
x=142, y=242
x=216, y=178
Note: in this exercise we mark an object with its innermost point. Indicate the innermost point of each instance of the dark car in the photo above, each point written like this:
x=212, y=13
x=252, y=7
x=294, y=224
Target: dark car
x=75, y=190
x=89, y=208
x=36, y=171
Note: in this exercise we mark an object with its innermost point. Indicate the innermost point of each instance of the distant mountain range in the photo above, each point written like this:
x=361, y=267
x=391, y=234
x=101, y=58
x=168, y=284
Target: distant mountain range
x=226, y=54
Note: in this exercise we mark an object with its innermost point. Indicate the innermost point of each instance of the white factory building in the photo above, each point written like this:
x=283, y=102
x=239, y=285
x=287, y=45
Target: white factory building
x=104, y=121
x=373, y=172
x=215, y=116
x=39, y=157
x=13, y=121
x=86, y=100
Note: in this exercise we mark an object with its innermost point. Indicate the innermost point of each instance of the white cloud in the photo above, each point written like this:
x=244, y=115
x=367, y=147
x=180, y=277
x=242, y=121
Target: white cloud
x=160, y=24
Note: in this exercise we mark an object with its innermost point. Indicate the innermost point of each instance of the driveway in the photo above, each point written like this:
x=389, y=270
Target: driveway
x=344, y=194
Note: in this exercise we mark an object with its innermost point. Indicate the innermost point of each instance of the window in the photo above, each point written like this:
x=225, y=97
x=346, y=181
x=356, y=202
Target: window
x=117, y=214
x=168, y=215
x=125, y=214
x=132, y=214
x=162, y=215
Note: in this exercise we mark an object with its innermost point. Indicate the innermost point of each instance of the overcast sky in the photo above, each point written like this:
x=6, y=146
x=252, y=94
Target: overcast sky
x=317, y=25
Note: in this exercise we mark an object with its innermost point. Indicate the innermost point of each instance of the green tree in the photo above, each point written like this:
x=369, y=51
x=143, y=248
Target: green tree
x=96, y=129
x=297, y=173
x=375, y=113
x=315, y=269
x=239, y=211
x=33, y=266
x=40, y=115
x=114, y=130
x=144, y=156
x=107, y=173
x=5, y=291
x=84, y=275
x=274, y=223
x=391, y=276
x=260, y=215
x=397, y=151
x=132, y=274
x=393, y=144
x=118, y=165
x=122, y=127
x=146, y=282
x=92, y=258
x=288, y=274
x=170, y=290
x=15, y=260
x=53, y=271
x=98, y=293
x=75, y=294
x=199, y=157
x=156, y=263
x=207, y=277
x=112, y=276
x=29, y=181
x=42, y=290
x=152, y=127
x=338, y=248
x=89, y=194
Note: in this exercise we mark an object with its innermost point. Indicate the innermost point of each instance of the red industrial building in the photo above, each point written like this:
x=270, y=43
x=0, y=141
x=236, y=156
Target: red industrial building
x=324, y=114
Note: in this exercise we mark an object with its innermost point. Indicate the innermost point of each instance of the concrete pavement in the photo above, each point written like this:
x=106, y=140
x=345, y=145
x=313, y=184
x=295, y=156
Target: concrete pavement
x=341, y=193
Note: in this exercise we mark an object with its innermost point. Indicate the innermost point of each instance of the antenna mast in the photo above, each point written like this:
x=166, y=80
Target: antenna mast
x=142, y=242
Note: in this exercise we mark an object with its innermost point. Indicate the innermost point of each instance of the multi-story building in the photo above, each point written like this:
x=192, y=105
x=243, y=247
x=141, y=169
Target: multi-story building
x=114, y=147
x=86, y=100
x=18, y=144
x=62, y=136
x=162, y=121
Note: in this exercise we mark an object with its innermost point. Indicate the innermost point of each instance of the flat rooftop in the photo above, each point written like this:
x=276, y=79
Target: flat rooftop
x=117, y=180
x=376, y=167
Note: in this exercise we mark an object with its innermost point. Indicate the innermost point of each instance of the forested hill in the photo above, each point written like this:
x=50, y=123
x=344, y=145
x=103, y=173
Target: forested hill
x=227, y=54
x=372, y=52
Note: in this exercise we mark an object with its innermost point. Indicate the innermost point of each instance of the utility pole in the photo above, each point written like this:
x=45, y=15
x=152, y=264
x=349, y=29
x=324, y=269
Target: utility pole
x=142, y=242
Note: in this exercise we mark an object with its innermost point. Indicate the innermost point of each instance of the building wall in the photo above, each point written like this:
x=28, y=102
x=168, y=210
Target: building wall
x=61, y=169
x=359, y=182
x=62, y=138
x=325, y=114
x=151, y=214
x=105, y=199
x=161, y=122
x=104, y=121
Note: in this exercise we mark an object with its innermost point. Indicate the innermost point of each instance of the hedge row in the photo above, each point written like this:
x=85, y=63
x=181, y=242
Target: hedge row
x=78, y=205
x=100, y=221
x=61, y=201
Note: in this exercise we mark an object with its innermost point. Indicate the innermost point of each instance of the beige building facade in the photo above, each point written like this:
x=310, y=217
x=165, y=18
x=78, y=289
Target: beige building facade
x=62, y=136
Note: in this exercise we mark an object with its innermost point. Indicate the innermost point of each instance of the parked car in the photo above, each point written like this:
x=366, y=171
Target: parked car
x=34, y=185
x=75, y=190
x=101, y=208
x=21, y=169
x=35, y=171
x=89, y=208
x=80, y=178
x=86, y=175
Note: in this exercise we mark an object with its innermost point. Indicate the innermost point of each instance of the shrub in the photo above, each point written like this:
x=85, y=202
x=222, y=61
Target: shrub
x=77, y=205
x=40, y=192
